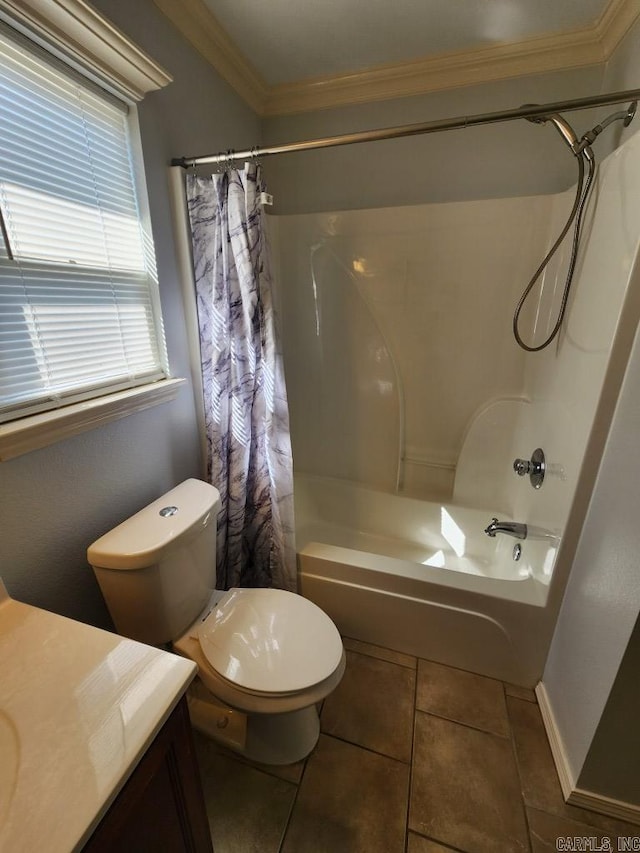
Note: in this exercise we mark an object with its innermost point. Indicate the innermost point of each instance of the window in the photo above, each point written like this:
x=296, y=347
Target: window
x=79, y=310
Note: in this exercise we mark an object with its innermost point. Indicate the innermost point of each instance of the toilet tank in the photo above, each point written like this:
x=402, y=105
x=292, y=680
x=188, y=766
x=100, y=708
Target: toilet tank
x=156, y=570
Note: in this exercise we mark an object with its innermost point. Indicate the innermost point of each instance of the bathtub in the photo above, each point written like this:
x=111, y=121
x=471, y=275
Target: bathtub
x=423, y=578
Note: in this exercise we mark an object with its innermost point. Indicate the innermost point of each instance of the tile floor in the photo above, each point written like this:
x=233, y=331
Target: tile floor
x=413, y=757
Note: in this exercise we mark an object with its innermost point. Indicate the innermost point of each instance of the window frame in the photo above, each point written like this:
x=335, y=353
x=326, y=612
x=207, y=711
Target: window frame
x=86, y=42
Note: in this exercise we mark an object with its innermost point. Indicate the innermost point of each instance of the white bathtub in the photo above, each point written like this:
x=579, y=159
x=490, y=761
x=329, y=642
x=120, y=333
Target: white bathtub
x=423, y=578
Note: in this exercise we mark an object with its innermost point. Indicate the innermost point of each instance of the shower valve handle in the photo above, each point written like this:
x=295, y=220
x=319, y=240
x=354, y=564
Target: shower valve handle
x=521, y=467
x=534, y=467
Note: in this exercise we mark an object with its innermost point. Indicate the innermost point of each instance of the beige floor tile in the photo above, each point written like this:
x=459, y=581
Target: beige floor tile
x=379, y=652
x=465, y=790
x=350, y=801
x=520, y=692
x=462, y=696
x=419, y=844
x=289, y=772
x=373, y=706
x=540, y=785
x=545, y=830
x=248, y=810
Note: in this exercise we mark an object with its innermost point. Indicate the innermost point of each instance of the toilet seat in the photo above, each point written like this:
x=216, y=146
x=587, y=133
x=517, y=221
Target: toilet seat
x=253, y=701
x=269, y=642
x=250, y=702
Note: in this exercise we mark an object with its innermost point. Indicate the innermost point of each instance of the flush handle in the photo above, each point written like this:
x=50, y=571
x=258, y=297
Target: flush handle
x=168, y=511
x=534, y=467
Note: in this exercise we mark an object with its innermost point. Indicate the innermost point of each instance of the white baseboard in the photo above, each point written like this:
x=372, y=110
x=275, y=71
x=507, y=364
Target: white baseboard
x=604, y=805
x=567, y=782
x=573, y=795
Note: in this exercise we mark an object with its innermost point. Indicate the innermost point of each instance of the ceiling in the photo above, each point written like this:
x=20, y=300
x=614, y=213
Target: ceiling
x=287, y=56
x=290, y=40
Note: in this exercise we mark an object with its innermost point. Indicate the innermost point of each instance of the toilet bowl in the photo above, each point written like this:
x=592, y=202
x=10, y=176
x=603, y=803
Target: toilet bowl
x=266, y=657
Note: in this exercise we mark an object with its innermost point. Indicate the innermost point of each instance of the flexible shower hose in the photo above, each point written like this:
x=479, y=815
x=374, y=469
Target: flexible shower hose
x=577, y=212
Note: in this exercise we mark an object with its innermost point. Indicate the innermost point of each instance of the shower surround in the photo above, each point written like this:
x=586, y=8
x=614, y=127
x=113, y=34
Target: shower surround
x=404, y=380
x=395, y=325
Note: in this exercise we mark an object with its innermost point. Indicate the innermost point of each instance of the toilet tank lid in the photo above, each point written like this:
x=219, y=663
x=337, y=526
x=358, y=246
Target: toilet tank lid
x=141, y=540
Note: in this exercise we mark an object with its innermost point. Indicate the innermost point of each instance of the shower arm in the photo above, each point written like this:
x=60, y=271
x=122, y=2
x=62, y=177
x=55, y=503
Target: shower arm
x=626, y=116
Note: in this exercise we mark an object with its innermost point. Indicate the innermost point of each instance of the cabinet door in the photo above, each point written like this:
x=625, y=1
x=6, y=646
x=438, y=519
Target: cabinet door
x=161, y=808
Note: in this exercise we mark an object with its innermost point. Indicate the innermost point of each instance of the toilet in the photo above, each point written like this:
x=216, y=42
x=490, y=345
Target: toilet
x=266, y=657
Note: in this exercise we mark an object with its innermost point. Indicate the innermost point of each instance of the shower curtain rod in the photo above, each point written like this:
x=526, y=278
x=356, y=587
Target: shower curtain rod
x=526, y=111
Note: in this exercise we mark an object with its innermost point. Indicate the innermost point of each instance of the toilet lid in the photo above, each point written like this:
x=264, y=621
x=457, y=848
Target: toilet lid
x=270, y=640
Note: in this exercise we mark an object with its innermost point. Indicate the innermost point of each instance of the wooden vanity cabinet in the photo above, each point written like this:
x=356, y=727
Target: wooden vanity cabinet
x=161, y=807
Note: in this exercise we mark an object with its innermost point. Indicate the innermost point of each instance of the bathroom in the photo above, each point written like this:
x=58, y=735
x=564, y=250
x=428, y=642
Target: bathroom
x=56, y=500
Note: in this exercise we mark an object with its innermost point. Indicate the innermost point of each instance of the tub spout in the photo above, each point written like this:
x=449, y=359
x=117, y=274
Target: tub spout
x=511, y=528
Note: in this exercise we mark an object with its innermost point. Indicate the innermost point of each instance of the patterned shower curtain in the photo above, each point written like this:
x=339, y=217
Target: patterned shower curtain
x=246, y=415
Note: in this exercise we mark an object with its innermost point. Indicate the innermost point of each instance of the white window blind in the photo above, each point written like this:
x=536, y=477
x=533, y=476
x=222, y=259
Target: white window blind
x=79, y=313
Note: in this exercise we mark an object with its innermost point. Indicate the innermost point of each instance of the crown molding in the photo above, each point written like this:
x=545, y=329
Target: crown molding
x=76, y=31
x=200, y=27
x=588, y=46
x=422, y=76
x=616, y=21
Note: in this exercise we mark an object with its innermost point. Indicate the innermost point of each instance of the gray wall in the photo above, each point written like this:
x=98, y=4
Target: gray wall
x=602, y=598
x=611, y=765
x=493, y=161
x=591, y=674
x=56, y=501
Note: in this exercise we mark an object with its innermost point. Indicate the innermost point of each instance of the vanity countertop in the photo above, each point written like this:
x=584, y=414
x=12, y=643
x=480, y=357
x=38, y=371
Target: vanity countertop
x=78, y=708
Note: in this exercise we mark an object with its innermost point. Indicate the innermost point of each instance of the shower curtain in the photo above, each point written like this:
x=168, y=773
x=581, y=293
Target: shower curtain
x=246, y=414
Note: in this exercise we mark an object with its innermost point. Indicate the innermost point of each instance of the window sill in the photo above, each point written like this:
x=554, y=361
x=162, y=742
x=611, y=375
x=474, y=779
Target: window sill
x=37, y=431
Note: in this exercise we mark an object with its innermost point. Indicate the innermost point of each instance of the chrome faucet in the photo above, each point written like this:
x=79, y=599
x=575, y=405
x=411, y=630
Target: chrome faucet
x=511, y=528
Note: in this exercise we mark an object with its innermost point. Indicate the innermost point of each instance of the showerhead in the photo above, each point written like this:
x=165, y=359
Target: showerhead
x=561, y=125
x=629, y=113
x=564, y=129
